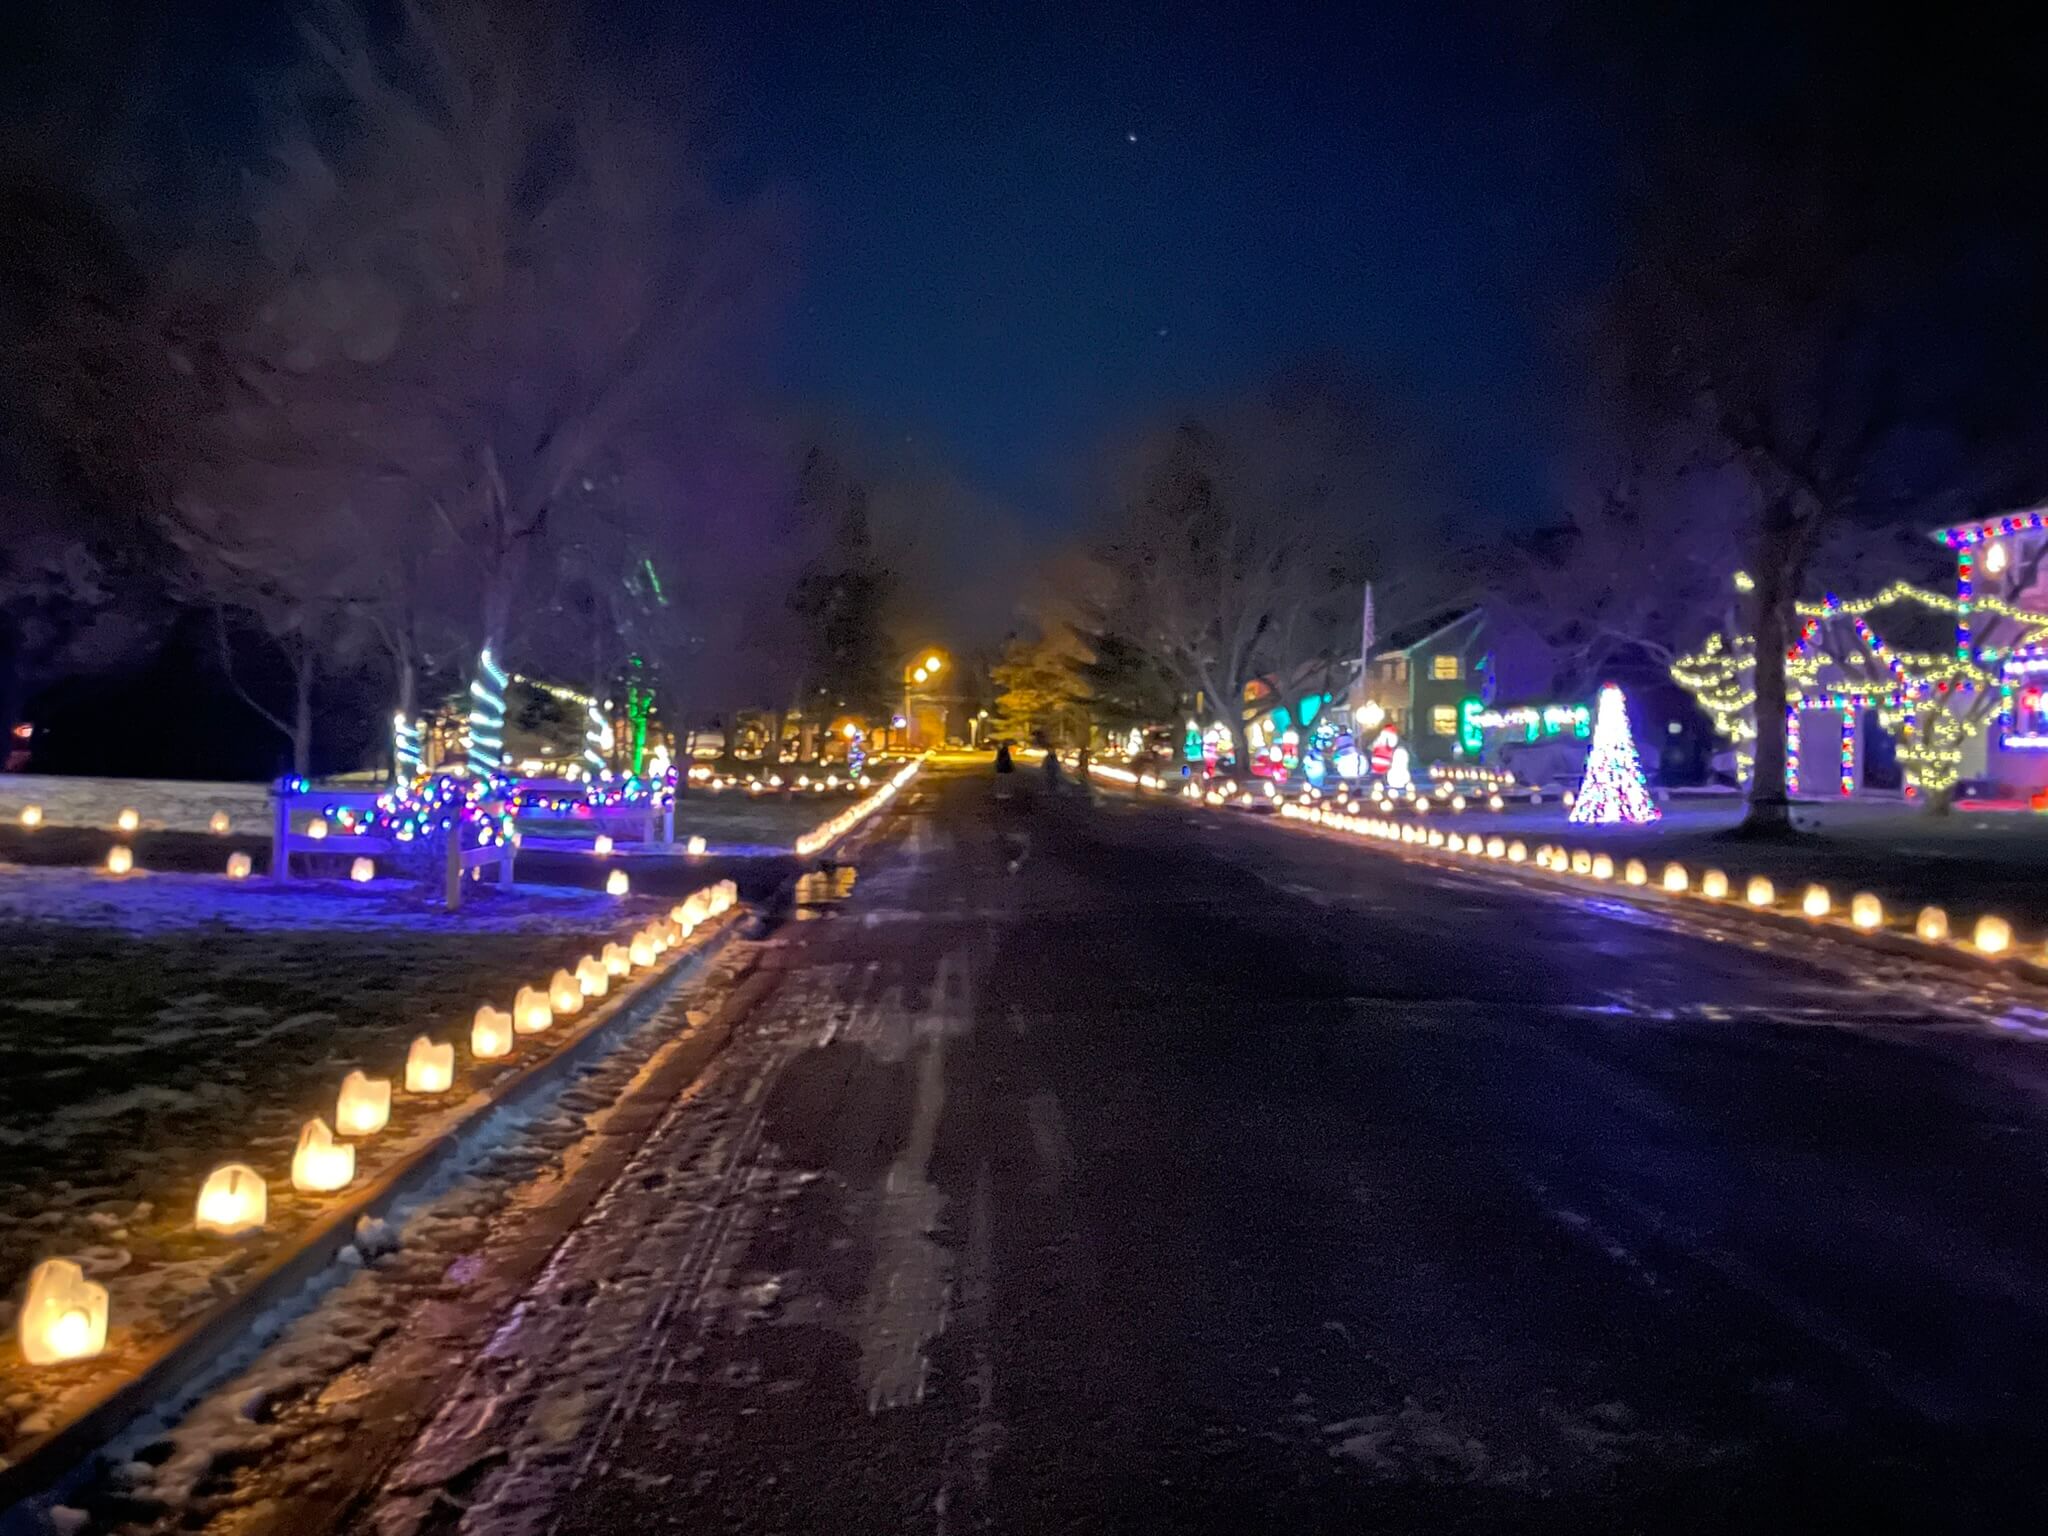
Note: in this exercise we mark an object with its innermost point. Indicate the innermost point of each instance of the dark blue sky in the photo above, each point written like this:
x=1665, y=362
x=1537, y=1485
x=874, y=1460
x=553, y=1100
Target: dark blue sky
x=992, y=264
x=991, y=261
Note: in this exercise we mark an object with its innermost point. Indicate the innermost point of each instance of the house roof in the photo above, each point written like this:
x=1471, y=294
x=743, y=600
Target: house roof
x=1408, y=637
x=1968, y=535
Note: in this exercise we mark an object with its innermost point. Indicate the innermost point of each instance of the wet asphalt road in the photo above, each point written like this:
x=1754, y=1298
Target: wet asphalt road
x=1121, y=1167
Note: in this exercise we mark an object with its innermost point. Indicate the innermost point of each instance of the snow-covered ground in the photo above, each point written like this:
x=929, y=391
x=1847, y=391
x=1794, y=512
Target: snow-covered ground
x=730, y=821
x=165, y=805
x=156, y=1025
x=1970, y=861
x=145, y=902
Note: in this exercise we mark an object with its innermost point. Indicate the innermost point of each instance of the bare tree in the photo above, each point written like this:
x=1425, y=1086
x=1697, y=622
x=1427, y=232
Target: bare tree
x=1638, y=571
x=1235, y=553
x=1820, y=287
x=561, y=276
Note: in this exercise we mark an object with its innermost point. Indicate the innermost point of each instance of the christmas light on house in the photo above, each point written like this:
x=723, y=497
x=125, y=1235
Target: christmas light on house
x=31, y=816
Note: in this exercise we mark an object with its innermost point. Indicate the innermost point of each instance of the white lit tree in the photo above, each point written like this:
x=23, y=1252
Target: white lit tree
x=1613, y=789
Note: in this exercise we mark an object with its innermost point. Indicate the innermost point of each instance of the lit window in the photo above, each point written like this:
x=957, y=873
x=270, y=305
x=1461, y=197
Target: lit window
x=1443, y=719
x=1444, y=668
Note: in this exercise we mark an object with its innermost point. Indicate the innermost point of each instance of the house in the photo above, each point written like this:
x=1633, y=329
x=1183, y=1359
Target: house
x=2001, y=624
x=1939, y=692
x=1423, y=675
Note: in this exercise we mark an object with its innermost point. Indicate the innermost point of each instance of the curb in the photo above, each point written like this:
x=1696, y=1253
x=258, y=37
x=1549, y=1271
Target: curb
x=190, y=1353
x=1954, y=954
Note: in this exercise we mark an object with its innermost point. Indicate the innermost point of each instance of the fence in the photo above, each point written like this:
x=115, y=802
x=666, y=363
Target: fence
x=289, y=795
x=654, y=824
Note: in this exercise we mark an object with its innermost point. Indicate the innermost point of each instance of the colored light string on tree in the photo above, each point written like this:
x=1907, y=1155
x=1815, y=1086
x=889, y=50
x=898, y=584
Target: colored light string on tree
x=1613, y=789
x=405, y=749
x=486, y=747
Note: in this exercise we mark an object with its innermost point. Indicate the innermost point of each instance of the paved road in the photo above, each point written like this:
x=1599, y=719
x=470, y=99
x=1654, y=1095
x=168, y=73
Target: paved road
x=1119, y=1167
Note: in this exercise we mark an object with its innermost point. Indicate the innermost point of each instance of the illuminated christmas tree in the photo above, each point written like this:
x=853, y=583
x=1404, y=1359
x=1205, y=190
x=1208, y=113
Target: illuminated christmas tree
x=1613, y=789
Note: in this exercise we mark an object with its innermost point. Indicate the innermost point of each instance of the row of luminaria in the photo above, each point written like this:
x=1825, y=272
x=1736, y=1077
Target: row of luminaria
x=65, y=1316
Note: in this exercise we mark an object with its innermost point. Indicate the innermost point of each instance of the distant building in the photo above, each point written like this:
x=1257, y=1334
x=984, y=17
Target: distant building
x=1424, y=679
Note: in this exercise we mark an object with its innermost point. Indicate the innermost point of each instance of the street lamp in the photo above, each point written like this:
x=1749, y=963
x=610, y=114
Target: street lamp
x=916, y=674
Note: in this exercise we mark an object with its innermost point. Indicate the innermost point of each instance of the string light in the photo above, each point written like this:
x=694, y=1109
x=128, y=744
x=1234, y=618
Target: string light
x=1930, y=704
x=486, y=744
x=405, y=749
x=1613, y=789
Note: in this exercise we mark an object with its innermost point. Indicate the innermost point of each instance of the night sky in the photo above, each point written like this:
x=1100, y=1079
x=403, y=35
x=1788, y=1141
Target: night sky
x=1026, y=225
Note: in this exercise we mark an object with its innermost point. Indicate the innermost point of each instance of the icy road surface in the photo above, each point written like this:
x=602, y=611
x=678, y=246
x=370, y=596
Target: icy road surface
x=1116, y=1167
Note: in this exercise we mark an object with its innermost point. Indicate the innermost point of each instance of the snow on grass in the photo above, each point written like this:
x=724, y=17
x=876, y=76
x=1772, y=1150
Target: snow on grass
x=165, y=805
x=154, y=1026
x=276, y=1418
x=149, y=902
x=731, y=821
x=1970, y=861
